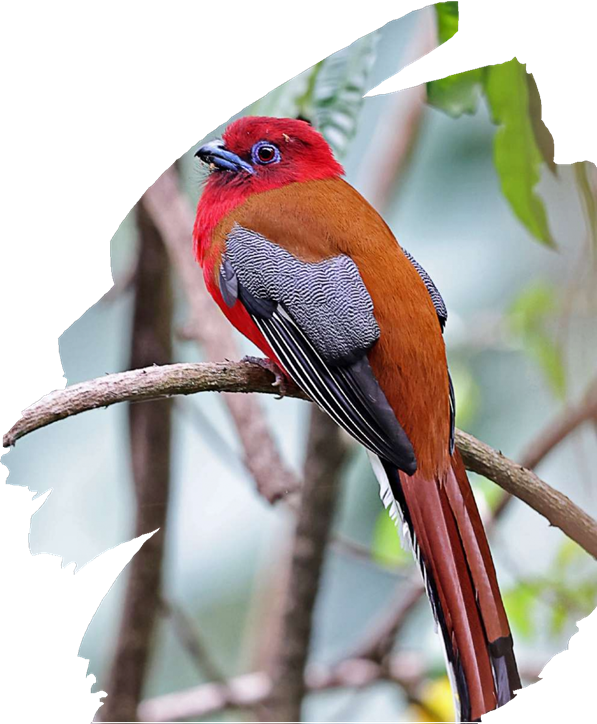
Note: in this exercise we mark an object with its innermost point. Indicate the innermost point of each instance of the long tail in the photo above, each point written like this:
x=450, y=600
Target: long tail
x=442, y=524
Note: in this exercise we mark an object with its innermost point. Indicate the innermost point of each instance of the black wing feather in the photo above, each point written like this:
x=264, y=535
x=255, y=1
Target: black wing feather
x=349, y=394
x=318, y=319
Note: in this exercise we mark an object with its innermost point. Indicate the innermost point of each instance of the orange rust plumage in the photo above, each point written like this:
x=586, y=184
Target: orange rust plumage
x=317, y=216
x=310, y=221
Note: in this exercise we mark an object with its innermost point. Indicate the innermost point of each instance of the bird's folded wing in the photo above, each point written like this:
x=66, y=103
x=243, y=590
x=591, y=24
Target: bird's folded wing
x=319, y=320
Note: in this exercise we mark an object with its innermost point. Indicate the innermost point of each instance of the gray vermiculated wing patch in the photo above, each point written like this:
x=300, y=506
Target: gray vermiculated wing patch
x=327, y=299
x=436, y=297
x=318, y=320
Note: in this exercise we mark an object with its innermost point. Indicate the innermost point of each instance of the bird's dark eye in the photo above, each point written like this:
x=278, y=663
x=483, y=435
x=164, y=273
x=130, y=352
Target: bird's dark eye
x=265, y=153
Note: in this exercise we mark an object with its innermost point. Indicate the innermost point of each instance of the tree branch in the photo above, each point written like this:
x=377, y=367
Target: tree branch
x=185, y=379
x=190, y=639
x=379, y=639
x=559, y=510
x=326, y=452
x=251, y=690
x=149, y=428
x=174, y=218
x=149, y=383
x=565, y=423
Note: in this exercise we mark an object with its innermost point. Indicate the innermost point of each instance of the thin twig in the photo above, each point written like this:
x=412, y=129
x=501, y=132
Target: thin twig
x=149, y=383
x=559, y=510
x=251, y=690
x=377, y=642
x=565, y=423
x=191, y=641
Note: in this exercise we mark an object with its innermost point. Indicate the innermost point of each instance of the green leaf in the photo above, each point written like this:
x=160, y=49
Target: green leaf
x=528, y=319
x=543, y=136
x=522, y=143
x=519, y=603
x=460, y=93
x=549, y=359
x=456, y=94
x=559, y=617
x=517, y=157
x=386, y=547
x=585, y=594
x=338, y=88
x=447, y=20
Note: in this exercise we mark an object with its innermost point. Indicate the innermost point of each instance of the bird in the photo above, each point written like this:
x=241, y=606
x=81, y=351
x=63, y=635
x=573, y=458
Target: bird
x=303, y=266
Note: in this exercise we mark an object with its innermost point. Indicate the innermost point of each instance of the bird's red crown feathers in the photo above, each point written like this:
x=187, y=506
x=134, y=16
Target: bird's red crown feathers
x=305, y=155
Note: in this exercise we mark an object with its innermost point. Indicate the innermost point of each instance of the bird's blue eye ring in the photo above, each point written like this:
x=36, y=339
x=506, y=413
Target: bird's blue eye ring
x=265, y=153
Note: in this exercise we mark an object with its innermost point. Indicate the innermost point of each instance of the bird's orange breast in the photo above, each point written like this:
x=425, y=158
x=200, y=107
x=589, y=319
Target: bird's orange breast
x=315, y=220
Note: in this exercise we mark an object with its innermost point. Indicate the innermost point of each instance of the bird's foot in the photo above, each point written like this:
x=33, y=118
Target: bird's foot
x=280, y=381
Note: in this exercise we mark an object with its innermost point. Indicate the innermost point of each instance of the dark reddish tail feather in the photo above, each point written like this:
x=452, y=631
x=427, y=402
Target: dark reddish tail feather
x=493, y=615
x=449, y=541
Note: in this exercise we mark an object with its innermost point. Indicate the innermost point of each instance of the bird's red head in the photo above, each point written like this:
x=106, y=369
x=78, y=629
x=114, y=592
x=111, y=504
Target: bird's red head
x=257, y=154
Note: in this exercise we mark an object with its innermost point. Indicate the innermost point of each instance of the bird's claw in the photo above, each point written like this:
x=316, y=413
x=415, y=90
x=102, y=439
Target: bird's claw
x=267, y=364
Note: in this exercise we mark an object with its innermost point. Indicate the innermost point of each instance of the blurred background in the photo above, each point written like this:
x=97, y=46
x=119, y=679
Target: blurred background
x=462, y=172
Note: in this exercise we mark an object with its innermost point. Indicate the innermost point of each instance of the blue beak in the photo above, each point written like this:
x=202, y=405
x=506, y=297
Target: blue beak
x=216, y=154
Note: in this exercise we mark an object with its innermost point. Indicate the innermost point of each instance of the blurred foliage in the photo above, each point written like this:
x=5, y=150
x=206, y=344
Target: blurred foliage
x=337, y=95
x=490, y=492
x=519, y=602
x=522, y=142
x=569, y=588
x=589, y=201
x=386, y=547
x=329, y=95
x=459, y=93
x=436, y=702
x=467, y=394
x=528, y=319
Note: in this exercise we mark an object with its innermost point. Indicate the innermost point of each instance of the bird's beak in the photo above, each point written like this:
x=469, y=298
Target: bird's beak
x=218, y=156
